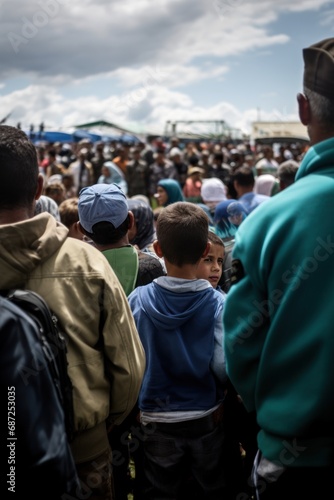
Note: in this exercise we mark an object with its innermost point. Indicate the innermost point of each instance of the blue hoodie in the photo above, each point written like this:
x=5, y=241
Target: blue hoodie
x=176, y=321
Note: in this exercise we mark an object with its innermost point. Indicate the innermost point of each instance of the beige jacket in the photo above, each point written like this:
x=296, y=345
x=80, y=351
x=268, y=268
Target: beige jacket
x=105, y=355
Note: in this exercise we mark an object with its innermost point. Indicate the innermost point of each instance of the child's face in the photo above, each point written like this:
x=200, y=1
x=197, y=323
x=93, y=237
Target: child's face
x=211, y=266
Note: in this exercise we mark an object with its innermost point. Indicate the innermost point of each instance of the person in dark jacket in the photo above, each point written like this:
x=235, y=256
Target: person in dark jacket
x=39, y=461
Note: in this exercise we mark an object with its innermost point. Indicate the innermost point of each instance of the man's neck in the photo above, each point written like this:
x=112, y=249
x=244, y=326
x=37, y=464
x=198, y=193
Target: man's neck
x=123, y=242
x=14, y=216
x=318, y=135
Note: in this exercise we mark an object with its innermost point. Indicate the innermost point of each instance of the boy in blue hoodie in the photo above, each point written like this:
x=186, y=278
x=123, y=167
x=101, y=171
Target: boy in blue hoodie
x=179, y=320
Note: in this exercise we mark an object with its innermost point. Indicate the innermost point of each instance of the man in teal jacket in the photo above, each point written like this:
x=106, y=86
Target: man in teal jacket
x=279, y=315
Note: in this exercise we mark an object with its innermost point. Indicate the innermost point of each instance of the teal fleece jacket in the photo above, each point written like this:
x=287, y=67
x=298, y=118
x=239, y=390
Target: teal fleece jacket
x=279, y=316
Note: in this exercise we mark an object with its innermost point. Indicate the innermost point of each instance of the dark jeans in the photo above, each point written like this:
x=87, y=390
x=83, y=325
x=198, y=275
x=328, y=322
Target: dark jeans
x=295, y=483
x=126, y=444
x=176, y=452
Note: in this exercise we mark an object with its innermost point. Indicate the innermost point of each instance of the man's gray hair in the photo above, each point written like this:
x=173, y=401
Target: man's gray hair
x=322, y=108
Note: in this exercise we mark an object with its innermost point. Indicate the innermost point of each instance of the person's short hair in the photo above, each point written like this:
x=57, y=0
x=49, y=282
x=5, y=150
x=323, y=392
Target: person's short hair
x=286, y=171
x=54, y=188
x=18, y=168
x=244, y=176
x=68, y=211
x=156, y=212
x=193, y=161
x=322, y=108
x=218, y=156
x=105, y=233
x=182, y=232
x=67, y=176
x=52, y=152
x=215, y=239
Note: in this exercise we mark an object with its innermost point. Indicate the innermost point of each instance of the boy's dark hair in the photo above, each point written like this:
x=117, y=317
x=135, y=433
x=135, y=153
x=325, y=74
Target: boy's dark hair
x=52, y=152
x=215, y=239
x=182, y=232
x=68, y=211
x=244, y=176
x=105, y=233
x=18, y=169
x=218, y=157
x=193, y=161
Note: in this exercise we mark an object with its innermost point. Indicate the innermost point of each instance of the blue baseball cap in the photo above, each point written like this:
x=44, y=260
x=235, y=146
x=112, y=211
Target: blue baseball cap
x=102, y=203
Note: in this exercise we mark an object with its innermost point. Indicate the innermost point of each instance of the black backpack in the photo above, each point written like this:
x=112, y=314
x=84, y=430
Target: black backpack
x=54, y=348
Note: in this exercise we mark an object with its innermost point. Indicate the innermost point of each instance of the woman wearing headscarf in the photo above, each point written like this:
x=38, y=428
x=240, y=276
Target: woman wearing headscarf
x=228, y=216
x=143, y=233
x=112, y=174
x=266, y=184
x=168, y=191
x=213, y=191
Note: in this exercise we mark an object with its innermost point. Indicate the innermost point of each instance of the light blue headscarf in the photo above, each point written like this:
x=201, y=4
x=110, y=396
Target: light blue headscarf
x=116, y=177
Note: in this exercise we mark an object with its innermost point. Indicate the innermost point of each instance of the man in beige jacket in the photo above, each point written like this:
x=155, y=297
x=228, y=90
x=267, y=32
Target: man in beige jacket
x=105, y=356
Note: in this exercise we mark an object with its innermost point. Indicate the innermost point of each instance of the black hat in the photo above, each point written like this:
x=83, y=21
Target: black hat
x=319, y=68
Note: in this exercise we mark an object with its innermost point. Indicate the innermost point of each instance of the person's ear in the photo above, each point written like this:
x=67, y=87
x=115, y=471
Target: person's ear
x=131, y=220
x=157, y=248
x=304, y=109
x=80, y=228
x=40, y=186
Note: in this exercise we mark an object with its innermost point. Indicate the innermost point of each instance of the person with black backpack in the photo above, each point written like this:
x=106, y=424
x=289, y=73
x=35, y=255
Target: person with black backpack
x=106, y=360
x=39, y=462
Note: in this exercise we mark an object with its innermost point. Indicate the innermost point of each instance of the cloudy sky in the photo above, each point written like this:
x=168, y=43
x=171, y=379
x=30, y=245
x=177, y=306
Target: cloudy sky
x=139, y=63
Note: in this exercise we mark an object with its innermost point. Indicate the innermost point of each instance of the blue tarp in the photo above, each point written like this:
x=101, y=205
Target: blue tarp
x=55, y=137
x=79, y=134
x=84, y=134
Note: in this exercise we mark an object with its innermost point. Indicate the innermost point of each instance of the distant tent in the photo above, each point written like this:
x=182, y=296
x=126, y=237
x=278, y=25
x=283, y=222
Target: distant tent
x=94, y=131
x=78, y=135
x=109, y=131
x=105, y=125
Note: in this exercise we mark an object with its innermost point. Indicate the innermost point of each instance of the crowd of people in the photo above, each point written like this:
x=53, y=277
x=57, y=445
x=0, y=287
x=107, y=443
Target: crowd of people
x=213, y=382
x=163, y=172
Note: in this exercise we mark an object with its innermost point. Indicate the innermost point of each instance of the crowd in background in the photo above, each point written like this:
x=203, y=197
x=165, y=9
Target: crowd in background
x=227, y=179
x=138, y=168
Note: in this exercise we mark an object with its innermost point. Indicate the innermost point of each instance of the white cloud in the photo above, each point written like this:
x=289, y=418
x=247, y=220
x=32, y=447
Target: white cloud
x=153, y=52
x=80, y=38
